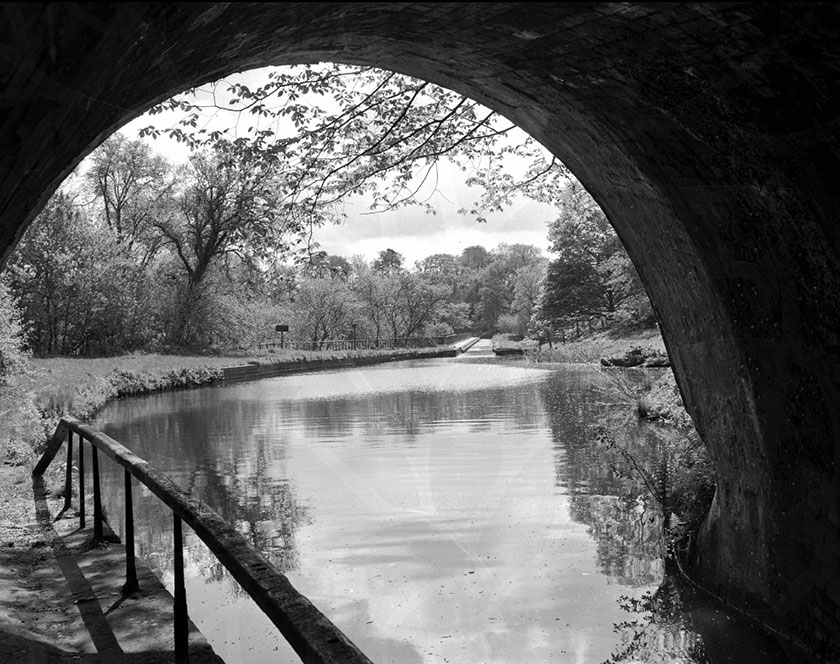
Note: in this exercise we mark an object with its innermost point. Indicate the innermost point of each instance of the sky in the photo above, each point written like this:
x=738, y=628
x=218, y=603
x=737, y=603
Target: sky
x=411, y=231
x=416, y=234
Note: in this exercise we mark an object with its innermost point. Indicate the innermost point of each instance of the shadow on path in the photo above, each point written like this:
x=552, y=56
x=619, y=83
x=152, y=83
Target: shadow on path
x=130, y=628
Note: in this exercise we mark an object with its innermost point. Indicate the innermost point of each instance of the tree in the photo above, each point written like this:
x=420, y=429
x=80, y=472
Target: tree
x=40, y=269
x=592, y=275
x=400, y=304
x=441, y=266
x=371, y=293
x=410, y=302
x=494, y=289
x=581, y=231
x=475, y=258
x=527, y=285
x=388, y=262
x=78, y=290
x=228, y=208
x=21, y=425
x=13, y=356
x=324, y=308
x=130, y=185
x=574, y=291
x=442, y=269
x=471, y=262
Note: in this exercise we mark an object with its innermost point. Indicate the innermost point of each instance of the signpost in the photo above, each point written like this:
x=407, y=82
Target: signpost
x=282, y=329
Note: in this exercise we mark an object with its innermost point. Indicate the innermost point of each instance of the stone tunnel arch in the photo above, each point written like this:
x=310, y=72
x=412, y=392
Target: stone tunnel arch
x=706, y=132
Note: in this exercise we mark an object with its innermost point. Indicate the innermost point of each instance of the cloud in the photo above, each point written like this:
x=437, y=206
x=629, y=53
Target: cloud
x=415, y=234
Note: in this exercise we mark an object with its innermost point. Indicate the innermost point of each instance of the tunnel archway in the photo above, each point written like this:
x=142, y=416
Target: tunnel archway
x=707, y=133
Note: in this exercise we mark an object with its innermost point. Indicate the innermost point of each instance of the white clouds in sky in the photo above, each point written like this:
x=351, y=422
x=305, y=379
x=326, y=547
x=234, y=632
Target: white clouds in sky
x=415, y=234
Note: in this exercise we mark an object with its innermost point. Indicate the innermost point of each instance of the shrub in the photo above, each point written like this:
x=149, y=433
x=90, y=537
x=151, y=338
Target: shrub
x=637, y=357
x=13, y=356
x=21, y=428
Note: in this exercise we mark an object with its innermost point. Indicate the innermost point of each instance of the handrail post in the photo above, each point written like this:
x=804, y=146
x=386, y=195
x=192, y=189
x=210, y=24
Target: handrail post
x=68, y=475
x=181, y=624
x=131, y=584
x=81, y=481
x=97, y=496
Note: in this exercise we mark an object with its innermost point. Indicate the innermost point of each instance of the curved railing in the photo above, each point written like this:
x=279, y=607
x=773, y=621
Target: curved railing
x=313, y=637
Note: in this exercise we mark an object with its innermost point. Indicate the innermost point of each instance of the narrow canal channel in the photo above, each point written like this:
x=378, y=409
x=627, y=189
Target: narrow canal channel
x=455, y=510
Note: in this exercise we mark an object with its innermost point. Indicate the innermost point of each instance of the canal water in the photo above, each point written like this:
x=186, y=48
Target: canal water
x=454, y=510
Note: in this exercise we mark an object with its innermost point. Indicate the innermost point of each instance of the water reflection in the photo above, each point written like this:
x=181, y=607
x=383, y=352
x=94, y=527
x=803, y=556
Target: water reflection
x=435, y=511
x=199, y=450
x=616, y=506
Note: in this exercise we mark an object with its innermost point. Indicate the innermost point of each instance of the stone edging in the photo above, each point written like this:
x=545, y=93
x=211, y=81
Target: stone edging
x=252, y=371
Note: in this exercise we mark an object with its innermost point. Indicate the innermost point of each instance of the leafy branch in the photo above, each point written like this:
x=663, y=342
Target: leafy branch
x=333, y=131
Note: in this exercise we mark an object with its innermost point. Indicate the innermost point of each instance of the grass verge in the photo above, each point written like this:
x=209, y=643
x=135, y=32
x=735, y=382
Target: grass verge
x=597, y=346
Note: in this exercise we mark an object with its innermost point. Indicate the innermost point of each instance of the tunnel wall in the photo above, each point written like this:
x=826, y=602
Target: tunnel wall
x=707, y=132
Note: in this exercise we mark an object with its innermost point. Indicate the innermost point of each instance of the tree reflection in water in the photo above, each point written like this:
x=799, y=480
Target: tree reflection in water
x=610, y=496
x=251, y=490
x=661, y=630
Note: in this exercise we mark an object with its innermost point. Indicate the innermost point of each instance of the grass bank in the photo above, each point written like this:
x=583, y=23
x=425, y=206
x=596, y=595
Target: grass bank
x=591, y=349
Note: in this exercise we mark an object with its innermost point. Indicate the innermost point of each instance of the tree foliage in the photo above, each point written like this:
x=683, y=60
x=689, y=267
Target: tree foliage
x=20, y=422
x=491, y=279
x=324, y=309
x=388, y=262
x=334, y=131
x=79, y=292
x=410, y=302
x=13, y=353
x=130, y=185
x=591, y=276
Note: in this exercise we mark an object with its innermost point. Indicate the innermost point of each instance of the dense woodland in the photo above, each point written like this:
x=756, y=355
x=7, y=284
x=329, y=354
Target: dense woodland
x=137, y=254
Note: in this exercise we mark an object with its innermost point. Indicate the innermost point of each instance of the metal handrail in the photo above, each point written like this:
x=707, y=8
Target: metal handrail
x=311, y=634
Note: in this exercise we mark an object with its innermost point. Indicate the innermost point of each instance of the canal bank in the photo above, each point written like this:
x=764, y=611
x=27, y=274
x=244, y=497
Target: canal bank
x=80, y=387
x=255, y=371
